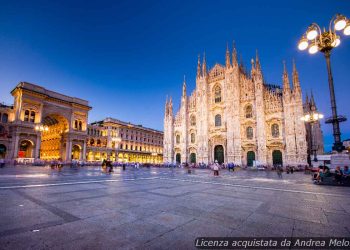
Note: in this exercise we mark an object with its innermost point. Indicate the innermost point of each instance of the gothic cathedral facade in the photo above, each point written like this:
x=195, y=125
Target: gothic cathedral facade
x=235, y=117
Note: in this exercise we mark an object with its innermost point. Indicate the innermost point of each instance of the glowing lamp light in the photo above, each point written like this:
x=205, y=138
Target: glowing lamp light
x=303, y=44
x=336, y=42
x=315, y=116
x=320, y=116
x=313, y=49
x=311, y=33
x=347, y=29
x=340, y=22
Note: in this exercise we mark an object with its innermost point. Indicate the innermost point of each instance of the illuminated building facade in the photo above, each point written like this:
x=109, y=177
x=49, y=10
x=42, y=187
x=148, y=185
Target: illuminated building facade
x=235, y=116
x=68, y=135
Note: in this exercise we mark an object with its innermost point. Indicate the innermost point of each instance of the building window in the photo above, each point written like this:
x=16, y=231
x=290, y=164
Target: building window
x=26, y=116
x=193, y=120
x=217, y=120
x=80, y=126
x=177, y=139
x=193, y=138
x=76, y=124
x=249, y=111
x=249, y=133
x=275, y=131
x=32, y=116
x=217, y=94
x=4, y=118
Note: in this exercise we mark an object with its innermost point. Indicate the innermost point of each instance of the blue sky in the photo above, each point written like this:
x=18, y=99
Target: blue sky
x=126, y=56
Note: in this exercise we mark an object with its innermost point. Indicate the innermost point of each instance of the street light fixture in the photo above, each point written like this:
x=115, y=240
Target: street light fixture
x=312, y=117
x=41, y=128
x=324, y=41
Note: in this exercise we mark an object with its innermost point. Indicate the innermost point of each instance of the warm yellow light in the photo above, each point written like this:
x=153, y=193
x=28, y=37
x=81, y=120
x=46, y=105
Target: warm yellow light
x=36, y=127
x=347, y=30
x=303, y=44
x=311, y=33
x=336, y=42
x=46, y=128
x=320, y=116
x=315, y=116
x=313, y=49
x=340, y=22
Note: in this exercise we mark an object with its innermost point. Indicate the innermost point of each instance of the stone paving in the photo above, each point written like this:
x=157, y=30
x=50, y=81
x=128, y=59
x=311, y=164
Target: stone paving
x=154, y=208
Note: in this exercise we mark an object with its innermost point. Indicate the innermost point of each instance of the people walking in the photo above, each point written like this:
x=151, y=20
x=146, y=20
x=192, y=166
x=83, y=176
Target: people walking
x=216, y=168
x=2, y=163
x=279, y=171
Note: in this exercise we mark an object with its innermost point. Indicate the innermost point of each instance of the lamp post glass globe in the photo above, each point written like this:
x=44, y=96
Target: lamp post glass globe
x=312, y=33
x=340, y=22
x=347, y=30
x=313, y=49
x=336, y=42
x=303, y=44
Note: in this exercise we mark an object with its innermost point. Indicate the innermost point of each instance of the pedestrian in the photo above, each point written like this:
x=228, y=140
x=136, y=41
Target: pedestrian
x=109, y=164
x=124, y=166
x=216, y=168
x=279, y=171
x=292, y=170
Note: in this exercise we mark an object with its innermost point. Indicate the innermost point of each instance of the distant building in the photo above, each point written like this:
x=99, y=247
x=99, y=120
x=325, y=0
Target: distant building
x=69, y=136
x=235, y=116
x=314, y=134
x=121, y=141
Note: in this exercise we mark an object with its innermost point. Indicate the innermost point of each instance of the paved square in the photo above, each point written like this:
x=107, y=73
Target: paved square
x=154, y=208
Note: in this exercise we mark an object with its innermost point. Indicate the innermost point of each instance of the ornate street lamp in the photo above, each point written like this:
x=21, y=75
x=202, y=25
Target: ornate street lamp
x=41, y=128
x=324, y=41
x=312, y=117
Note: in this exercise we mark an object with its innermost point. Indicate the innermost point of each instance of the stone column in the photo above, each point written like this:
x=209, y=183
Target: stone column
x=68, y=149
x=83, y=157
x=15, y=146
x=37, y=147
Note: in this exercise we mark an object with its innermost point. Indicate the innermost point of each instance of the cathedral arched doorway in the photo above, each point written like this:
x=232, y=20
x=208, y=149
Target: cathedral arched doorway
x=178, y=158
x=76, y=152
x=52, y=143
x=219, y=154
x=193, y=158
x=2, y=151
x=26, y=149
x=250, y=158
x=277, y=158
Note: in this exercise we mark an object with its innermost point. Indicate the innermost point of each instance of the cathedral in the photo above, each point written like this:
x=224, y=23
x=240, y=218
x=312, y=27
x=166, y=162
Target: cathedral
x=234, y=116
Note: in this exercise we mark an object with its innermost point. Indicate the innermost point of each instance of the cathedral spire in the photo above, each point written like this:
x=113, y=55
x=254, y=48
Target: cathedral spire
x=184, y=87
x=312, y=102
x=199, y=66
x=228, y=64
x=285, y=78
x=204, y=66
x=234, y=54
x=296, y=82
x=258, y=66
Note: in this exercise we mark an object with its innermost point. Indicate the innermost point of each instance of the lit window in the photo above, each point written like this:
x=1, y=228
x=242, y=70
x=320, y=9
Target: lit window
x=217, y=94
x=32, y=116
x=26, y=116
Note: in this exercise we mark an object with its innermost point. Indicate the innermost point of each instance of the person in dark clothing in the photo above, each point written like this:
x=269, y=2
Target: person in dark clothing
x=124, y=166
x=338, y=175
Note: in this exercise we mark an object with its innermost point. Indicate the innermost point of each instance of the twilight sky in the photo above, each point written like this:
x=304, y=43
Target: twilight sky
x=126, y=56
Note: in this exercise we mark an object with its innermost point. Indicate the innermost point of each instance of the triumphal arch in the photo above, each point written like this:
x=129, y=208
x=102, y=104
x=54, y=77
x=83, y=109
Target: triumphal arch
x=47, y=124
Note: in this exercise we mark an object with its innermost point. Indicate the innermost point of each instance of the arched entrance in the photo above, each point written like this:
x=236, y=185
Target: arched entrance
x=193, y=158
x=178, y=158
x=76, y=152
x=2, y=151
x=277, y=157
x=52, y=143
x=219, y=154
x=26, y=149
x=250, y=158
